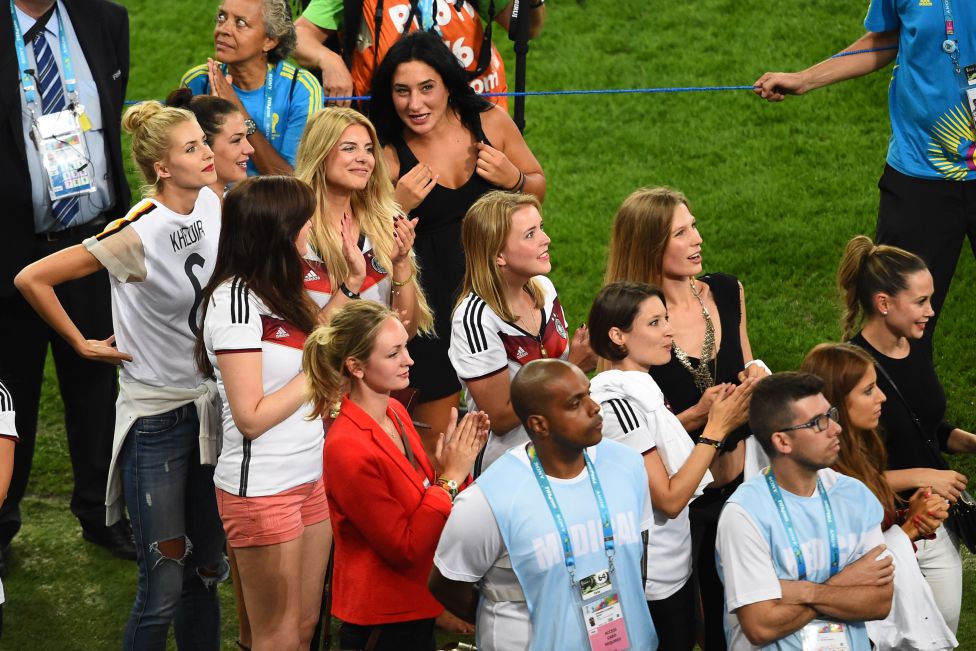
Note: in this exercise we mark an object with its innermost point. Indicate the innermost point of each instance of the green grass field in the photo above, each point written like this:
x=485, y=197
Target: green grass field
x=777, y=191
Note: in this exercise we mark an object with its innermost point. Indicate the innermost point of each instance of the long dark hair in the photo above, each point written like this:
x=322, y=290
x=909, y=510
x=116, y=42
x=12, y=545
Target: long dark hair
x=430, y=49
x=262, y=217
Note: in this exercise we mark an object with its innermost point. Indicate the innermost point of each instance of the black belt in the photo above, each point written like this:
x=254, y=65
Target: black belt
x=88, y=228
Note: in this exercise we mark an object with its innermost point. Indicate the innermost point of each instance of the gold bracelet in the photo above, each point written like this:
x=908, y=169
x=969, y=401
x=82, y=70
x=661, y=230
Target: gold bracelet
x=401, y=283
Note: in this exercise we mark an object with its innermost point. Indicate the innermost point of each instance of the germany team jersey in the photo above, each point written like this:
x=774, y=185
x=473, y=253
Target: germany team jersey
x=8, y=428
x=376, y=287
x=288, y=454
x=159, y=261
x=483, y=344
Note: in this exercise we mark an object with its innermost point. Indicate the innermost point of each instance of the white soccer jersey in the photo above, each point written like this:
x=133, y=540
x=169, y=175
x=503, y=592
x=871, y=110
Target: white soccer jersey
x=376, y=287
x=290, y=453
x=8, y=426
x=669, y=540
x=482, y=344
x=159, y=262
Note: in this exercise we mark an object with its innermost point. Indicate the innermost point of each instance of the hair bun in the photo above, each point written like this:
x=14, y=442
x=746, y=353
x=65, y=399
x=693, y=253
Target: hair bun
x=136, y=116
x=180, y=98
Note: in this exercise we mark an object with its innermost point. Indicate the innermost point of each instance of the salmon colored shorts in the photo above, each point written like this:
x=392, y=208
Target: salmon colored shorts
x=272, y=519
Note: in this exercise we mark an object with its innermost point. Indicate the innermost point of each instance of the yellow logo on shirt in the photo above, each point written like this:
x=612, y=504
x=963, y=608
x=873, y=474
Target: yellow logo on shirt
x=924, y=3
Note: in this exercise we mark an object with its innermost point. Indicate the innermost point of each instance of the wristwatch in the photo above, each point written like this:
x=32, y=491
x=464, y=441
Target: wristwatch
x=250, y=125
x=449, y=485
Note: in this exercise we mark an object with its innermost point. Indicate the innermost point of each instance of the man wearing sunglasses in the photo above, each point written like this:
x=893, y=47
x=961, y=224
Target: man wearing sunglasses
x=798, y=545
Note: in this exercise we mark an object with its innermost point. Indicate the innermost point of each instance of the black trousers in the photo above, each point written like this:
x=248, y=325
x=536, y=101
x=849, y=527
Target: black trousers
x=931, y=219
x=87, y=388
x=415, y=635
x=674, y=618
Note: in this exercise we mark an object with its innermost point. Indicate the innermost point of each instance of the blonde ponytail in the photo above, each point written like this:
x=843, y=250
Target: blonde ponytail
x=351, y=334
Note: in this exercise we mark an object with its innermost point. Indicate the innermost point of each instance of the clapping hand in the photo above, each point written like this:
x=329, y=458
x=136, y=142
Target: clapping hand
x=458, y=448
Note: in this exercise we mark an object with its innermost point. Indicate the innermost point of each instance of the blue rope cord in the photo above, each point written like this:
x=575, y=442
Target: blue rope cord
x=613, y=91
x=872, y=49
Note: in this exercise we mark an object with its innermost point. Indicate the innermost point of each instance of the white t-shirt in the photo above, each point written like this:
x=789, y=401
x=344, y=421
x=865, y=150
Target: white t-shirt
x=159, y=262
x=669, y=540
x=290, y=453
x=471, y=549
x=482, y=344
x=749, y=529
x=376, y=287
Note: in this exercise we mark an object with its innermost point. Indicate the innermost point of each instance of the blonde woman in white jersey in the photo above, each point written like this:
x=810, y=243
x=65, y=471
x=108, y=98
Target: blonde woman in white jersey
x=361, y=245
x=159, y=257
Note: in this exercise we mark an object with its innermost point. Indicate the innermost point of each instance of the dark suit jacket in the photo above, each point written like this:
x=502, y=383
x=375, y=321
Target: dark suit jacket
x=386, y=519
x=103, y=31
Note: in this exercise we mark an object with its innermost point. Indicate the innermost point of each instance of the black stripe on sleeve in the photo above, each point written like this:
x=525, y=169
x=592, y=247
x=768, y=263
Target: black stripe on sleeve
x=481, y=326
x=6, y=400
x=245, y=467
x=622, y=416
x=467, y=325
x=247, y=304
x=630, y=409
x=233, y=312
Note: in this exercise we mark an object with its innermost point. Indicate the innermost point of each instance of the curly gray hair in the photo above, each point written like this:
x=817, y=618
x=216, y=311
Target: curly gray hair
x=278, y=25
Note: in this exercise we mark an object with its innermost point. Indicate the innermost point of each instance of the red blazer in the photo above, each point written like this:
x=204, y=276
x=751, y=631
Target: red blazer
x=385, y=520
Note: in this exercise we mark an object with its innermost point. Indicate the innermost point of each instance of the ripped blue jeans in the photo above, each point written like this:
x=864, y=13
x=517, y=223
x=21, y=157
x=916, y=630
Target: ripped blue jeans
x=170, y=496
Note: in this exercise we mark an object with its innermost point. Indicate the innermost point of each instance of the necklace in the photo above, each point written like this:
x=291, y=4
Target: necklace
x=703, y=379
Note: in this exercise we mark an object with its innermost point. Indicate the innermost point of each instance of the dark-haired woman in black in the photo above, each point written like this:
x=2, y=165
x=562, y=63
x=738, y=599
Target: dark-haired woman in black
x=445, y=147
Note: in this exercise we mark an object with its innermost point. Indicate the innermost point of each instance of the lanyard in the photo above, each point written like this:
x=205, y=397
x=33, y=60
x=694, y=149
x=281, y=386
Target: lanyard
x=269, y=78
x=268, y=99
x=26, y=74
x=427, y=14
x=557, y=514
x=951, y=44
x=784, y=515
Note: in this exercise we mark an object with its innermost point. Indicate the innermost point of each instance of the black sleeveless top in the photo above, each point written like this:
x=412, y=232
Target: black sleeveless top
x=443, y=206
x=442, y=261
x=675, y=380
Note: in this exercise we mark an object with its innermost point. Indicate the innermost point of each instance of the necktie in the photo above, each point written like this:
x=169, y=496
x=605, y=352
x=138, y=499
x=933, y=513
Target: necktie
x=52, y=101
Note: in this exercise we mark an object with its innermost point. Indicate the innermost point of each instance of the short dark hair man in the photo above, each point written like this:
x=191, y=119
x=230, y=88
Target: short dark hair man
x=543, y=585
x=798, y=546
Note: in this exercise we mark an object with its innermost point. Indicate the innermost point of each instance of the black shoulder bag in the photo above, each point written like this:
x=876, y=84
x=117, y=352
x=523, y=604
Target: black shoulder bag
x=962, y=514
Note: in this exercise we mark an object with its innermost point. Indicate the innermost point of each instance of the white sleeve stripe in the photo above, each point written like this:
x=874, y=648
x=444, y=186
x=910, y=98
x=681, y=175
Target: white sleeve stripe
x=628, y=422
x=6, y=401
x=473, y=329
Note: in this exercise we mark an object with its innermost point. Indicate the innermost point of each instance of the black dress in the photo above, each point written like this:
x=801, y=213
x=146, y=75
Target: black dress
x=441, y=259
x=681, y=393
x=917, y=381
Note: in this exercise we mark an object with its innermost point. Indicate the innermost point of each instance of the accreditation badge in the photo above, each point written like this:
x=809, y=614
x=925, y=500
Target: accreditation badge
x=63, y=153
x=603, y=615
x=821, y=635
x=969, y=92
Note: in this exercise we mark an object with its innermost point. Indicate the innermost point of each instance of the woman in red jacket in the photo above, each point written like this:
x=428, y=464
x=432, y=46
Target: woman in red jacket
x=387, y=505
